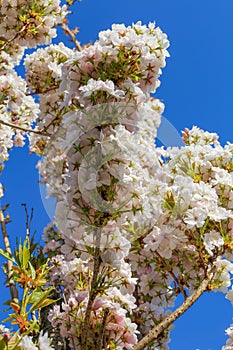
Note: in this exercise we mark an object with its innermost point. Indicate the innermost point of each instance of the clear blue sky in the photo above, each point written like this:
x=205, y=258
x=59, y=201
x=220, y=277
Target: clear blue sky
x=197, y=88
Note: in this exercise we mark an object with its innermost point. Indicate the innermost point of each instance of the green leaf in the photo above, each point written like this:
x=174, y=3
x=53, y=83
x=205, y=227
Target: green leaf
x=41, y=299
x=3, y=344
x=7, y=255
x=46, y=302
x=25, y=254
x=33, y=272
x=34, y=297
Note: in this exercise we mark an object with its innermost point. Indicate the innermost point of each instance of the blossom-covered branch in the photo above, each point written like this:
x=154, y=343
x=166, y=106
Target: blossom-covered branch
x=135, y=225
x=161, y=327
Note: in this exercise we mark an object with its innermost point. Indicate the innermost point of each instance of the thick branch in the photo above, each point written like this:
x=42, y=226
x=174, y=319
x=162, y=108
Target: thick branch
x=93, y=291
x=58, y=342
x=99, y=342
x=160, y=328
x=13, y=289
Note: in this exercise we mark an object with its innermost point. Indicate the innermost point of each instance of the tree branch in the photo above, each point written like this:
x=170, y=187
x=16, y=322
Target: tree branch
x=93, y=291
x=99, y=342
x=22, y=128
x=69, y=32
x=13, y=289
x=28, y=220
x=160, y=328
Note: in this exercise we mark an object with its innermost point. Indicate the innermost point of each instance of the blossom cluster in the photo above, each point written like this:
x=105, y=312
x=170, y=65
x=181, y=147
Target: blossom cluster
x=16, y=108
x=43, y=67
x=43, y=77
x=161, y=219
x=99, y=169
x=22, y=25
x=119, y=329
x=193, y=231
x=124, y=61
x=30, y=23
x=43, y=343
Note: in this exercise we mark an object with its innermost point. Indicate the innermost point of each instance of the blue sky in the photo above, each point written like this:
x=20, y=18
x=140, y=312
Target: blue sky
x=197, y=89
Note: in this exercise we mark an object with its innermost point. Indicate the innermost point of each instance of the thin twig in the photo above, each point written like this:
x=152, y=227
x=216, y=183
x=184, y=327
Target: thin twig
x=45, y=128
x=55, y=89
x=28, y=220
x=161, y=327
x=69, y=32
x=22, y=128
x=12, y=39
x=31, y=217
x=13, y=289
x=93, y=291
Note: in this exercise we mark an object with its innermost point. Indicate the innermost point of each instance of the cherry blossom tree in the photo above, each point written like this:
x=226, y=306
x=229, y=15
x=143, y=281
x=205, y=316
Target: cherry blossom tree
x=136, y=226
